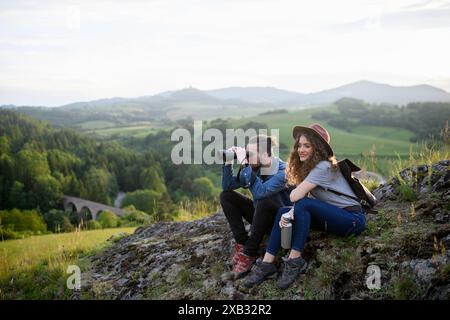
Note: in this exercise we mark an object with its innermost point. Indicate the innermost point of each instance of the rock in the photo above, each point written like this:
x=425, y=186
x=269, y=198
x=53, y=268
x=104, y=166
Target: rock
x=426, y=270
x=441, y=217
x=386, y=192
x=188, y=260
x=209, y=283
x=446, y=241
x=419, y=178
x=226, y=277
x=443, y=182
x=172, y=273
x=229, y=290
x=423, y=269
x=122, y=282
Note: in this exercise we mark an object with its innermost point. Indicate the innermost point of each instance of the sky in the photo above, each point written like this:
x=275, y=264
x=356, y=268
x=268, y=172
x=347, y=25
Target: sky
x=57, y=52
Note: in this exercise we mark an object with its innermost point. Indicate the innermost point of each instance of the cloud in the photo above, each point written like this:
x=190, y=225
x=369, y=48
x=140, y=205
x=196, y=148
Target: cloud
x=114, y=48
x=409, y=19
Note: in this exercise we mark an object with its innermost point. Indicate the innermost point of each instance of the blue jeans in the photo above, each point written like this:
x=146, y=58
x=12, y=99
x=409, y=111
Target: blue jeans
x=312, y=213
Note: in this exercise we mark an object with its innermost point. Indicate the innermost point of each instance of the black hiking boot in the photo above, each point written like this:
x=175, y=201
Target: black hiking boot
x=291, y=270
x=260, y=272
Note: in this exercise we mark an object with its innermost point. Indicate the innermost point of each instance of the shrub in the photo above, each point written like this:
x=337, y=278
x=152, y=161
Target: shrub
x=6, y=234
x=107, y=219
x=139, y=217
x=144, y=200
x=26, y=220
x=66, y=226
x=58, y=221
x=204, y=188
x=94, y=225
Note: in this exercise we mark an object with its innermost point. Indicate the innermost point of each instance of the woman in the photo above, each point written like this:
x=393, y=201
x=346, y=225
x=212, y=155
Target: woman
x=313, y=168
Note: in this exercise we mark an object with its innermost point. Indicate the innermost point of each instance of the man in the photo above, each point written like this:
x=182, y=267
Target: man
x=264, y=175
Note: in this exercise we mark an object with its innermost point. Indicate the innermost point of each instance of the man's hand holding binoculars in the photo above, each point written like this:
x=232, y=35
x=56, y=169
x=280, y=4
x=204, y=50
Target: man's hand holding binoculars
x=241, y=155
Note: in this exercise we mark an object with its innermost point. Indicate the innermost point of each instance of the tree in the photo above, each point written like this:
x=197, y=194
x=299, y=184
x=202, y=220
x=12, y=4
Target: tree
x=151, y=179
x=46, y=193
x=30, y=164
x=99, y=185
x=17, y=195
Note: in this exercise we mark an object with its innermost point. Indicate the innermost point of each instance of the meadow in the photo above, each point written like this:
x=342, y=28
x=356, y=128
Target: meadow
x=35, y=267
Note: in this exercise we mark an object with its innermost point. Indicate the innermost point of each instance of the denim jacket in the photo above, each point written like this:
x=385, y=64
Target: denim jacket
x=272, y=185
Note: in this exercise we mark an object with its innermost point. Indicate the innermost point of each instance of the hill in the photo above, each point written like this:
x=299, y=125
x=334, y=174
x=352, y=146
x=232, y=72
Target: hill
x=188, y=260
x=373, y=92
x=231, y=102
x=258, y=95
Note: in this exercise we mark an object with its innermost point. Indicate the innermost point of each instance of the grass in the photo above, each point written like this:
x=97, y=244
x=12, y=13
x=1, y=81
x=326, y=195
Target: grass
x=96, y=124
x=405, y=289
x=424, y=155
x=137, y=131
x=195, y=209
x=35, y=267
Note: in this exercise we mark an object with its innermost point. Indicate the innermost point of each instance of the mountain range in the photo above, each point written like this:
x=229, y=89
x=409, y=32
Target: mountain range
x=368, y=91
x=228, y=102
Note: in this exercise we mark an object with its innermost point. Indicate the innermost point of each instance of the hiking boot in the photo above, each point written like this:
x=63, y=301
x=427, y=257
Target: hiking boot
x=238, y=249
x=260, y=272
x=291, y=270
x=243, y=265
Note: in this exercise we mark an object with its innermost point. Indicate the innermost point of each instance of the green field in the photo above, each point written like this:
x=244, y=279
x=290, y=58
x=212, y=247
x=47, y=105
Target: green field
x=96, y=124
x=133, y=130
x=35, y=267
x=373, y=147
x=24, y=253
x=387, y=141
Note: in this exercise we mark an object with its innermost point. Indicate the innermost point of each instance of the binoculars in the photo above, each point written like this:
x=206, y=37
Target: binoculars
x=229, y=155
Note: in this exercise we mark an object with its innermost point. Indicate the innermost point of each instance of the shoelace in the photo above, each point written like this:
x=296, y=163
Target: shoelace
x=256, y=271
x=288, y=270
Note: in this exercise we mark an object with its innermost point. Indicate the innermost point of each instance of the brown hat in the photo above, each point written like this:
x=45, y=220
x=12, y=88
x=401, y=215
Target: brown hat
x=316, y=130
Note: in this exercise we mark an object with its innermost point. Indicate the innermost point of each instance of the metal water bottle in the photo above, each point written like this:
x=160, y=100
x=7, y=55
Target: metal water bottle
x=286, y=232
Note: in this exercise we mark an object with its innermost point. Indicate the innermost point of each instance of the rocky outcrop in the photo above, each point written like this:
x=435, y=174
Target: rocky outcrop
x=408, y=240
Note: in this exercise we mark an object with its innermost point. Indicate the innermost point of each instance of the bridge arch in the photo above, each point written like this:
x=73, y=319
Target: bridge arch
x=91, y=209
x=70, y=206
x=86, y=214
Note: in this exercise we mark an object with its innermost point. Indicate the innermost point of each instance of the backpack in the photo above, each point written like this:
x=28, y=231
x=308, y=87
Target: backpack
x=365, y=198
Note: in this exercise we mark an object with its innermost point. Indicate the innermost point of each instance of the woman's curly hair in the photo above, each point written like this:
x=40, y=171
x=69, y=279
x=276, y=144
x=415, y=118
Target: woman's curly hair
x=296, y=170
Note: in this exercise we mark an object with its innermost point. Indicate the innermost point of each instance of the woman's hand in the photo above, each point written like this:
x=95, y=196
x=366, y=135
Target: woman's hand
x=284, y=221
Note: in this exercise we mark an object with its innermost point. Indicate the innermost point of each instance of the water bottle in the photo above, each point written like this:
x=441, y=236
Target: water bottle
x=286, y=232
